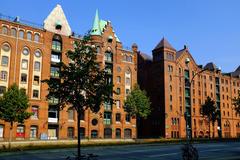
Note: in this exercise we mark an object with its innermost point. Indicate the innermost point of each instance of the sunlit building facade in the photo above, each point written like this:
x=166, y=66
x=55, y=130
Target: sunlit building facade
x=31, y=53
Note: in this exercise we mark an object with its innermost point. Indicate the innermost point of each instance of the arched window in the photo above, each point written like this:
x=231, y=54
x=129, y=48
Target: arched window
x=94, y=134
x=6, y=47
x=13, y=32
x=82, y=132
x=36, y=37
x=38, y=53
x=70, y=132
x=4, y=30
x=29, y=36
x=25, y=51
x=107, y=133
x=118, y=133
x=21, y=34
x=127, y=133
x=98, y=50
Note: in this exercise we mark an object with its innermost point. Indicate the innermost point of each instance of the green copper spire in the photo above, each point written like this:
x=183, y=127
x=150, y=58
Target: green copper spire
x=96, y=26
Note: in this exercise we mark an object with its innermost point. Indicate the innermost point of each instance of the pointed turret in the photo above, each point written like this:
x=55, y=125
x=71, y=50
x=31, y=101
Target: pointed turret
x=57, y=22
x=164, y=44
x=96, y=30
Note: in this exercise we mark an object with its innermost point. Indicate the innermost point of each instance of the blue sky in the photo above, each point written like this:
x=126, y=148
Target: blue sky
x=210, y=28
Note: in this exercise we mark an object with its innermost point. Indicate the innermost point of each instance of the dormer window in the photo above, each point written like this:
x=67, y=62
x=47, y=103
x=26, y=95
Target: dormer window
x=110, y=39
x=58, y=25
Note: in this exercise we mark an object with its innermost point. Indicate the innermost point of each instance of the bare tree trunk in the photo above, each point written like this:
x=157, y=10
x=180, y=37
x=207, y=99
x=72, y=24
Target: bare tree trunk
x=213, y=129
x=10, y=138
x=209, y=128
x=79, y=138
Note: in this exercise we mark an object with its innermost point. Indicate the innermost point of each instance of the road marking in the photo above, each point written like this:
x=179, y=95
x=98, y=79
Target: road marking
x=163, y=155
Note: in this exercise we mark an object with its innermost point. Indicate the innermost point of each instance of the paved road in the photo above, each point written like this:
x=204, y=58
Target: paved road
x=213, y=151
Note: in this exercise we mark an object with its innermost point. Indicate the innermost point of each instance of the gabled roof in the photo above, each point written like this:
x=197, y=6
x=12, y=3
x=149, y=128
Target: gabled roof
x=180, y=52
x=57, y=17
x=164, y=44
x=99, y=26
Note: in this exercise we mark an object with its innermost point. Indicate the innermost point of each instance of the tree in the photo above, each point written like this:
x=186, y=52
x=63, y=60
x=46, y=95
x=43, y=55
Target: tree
x=137, y=103
x=81, y=84
x=236, y=103
x=209, y=110
x=13, y=106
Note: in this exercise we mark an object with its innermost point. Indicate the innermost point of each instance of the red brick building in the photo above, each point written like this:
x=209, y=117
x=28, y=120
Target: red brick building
x=30, y=53
x=176, y=84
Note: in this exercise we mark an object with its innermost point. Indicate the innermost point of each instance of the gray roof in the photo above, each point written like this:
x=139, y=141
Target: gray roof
x=179, y=53
x=146, y=56
x=164, y=44
x=236, y=73
x=210, y=66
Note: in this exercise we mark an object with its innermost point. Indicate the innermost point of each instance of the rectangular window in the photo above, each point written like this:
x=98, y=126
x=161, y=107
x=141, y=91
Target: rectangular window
x=3, y=75
x=35, y=93
x=118, y=117
x=107, y=118
x=2, y=90
x=128, y=81
x=24, y=64
x=4, y=61
x=127, y=91
x=36, y=80
x=36, y=66
x=118, y=91
x=55, y=71
x=70, y=114
x=55, y=58
x=23, y=78
x=35, y=112
x=20, y=132
x=1, y=131
x=128, y=118
x=118, y=103
x=33, y=132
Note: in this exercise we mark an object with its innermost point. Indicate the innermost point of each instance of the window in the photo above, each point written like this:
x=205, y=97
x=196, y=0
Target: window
x=6, y=47
x=3, y=75
x=127, y=133
x=36, y=66
x=129, y=58
x=25, y=51
x=1, y=130
x=82, y=132
x=55, y=58
x=94, y=122
x=55, y=71
x=23, y=78
x=118, y=92
x=36, y=80
x=118, y=79
x=107, y=106
x=118, y=104
x=98, y=50
x=35, y=93
x=52, y=112
x=33, y=132
x=127, y=91
x=2, y=89
x=29, y=36
x=70, y=114
x=118, y=133
x=107, y=132
x=4, y=30
x=37, y=53
x=107, y=118
x=20, y=132
x=57, y=45
x=13, y=32
x=118, y=117
x=82, y=116
x=24, y=64
x=21, y=34
x=94, y=134
x=36, y=37
x=4, y=61
x=35, y=112
x=70, y=132
x=108, y=57
x=128, y=118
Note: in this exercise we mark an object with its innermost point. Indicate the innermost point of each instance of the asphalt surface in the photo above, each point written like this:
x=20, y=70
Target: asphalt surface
x=211, y=151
